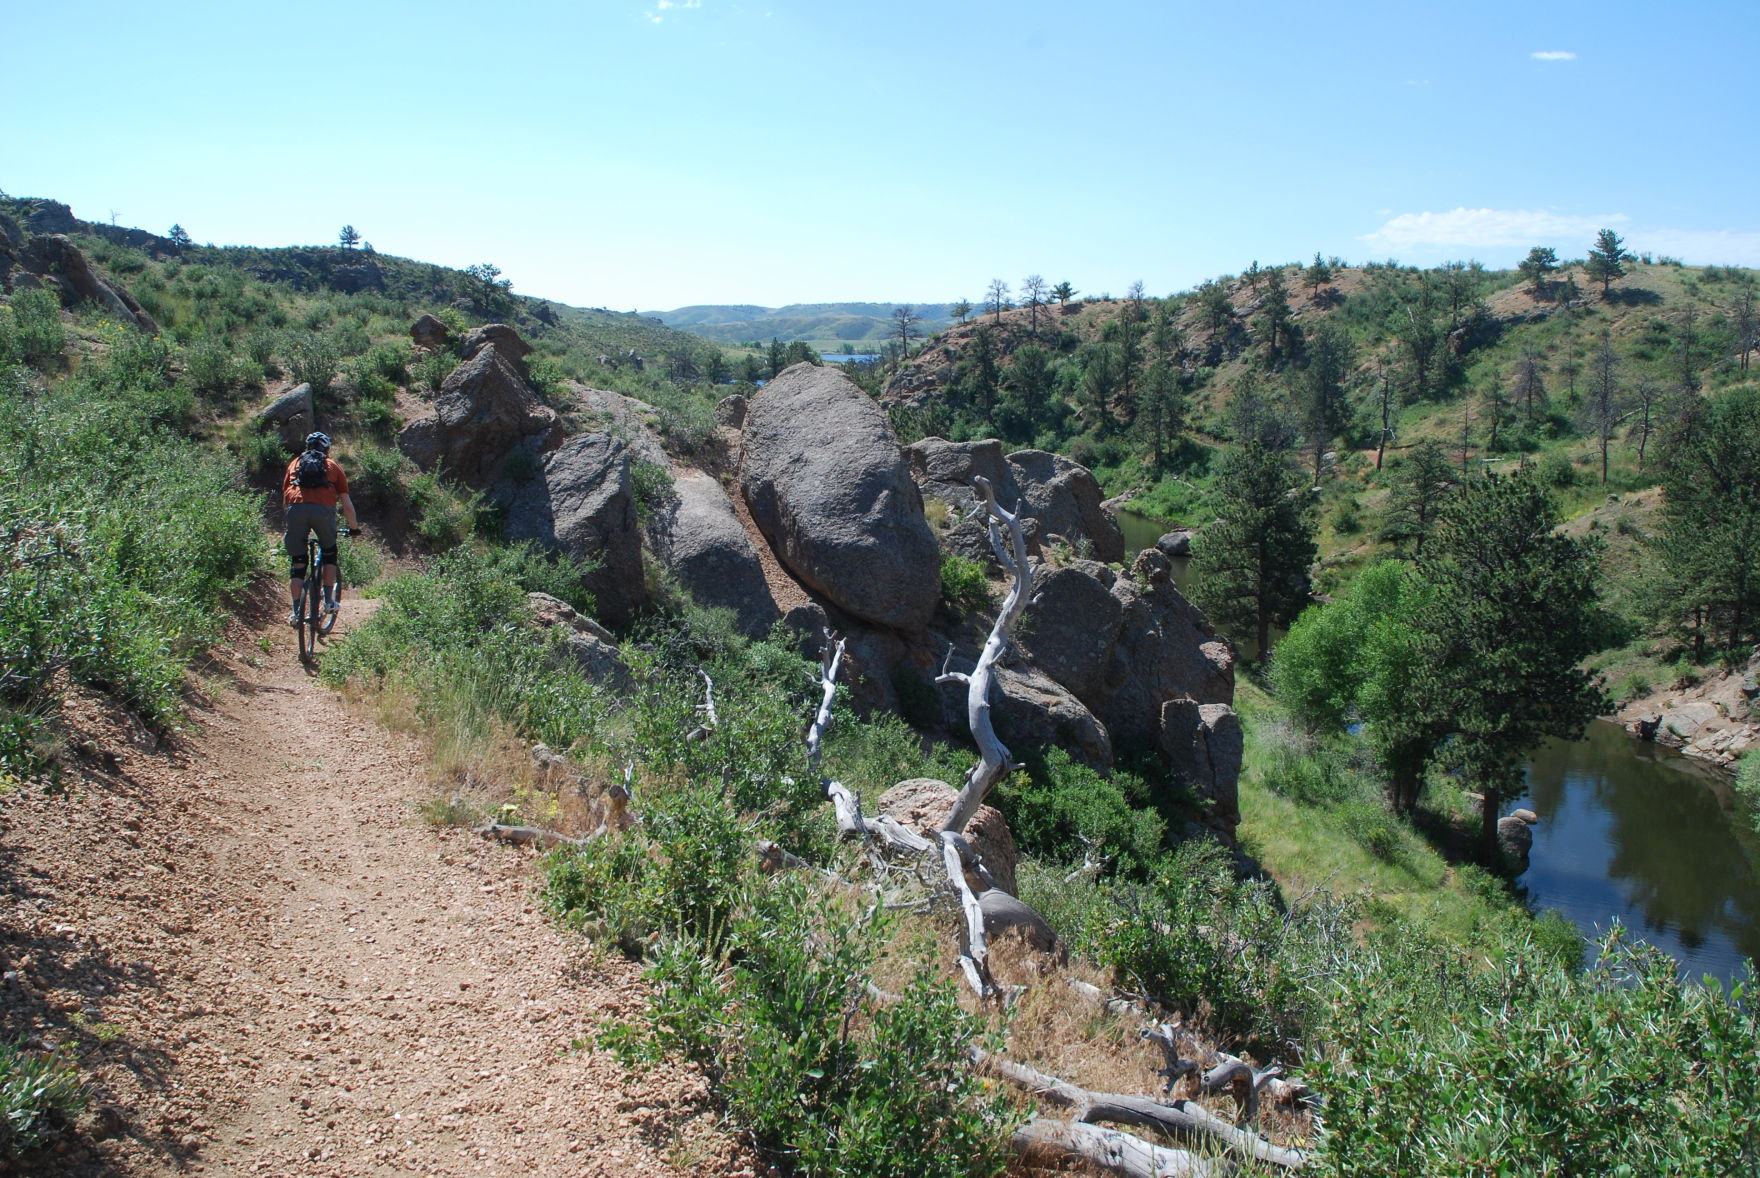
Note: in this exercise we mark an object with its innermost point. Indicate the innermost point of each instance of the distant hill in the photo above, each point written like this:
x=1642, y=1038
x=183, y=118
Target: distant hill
x=824, y=325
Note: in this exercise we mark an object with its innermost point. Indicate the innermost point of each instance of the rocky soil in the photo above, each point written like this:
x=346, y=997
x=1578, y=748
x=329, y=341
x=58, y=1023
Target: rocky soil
x=267, y=964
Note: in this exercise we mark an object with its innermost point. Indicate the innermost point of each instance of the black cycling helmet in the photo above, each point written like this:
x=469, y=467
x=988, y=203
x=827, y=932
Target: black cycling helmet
x=317, y=441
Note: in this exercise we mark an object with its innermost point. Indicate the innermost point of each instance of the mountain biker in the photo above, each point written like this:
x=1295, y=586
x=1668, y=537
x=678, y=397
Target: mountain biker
x=311, y=491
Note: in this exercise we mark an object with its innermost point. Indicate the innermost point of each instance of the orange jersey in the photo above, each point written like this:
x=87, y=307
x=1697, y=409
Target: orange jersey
x=292, y=492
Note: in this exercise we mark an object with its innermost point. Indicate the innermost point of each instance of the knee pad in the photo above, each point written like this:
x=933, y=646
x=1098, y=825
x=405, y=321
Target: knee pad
x=298, y=571
x=329, y=555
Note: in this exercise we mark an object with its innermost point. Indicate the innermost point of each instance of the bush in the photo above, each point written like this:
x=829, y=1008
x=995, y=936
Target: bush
x=1444, y=1066
x=446, y=513
x=38, y=1095
x=828, y=1079
x=209, y=366
x=651, y=487
x=1555, y=470
x=312, y=359
x=30, y=328
x=964, y=584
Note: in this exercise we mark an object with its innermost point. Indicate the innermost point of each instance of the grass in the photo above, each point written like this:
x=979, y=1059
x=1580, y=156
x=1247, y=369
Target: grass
x=1349, y=843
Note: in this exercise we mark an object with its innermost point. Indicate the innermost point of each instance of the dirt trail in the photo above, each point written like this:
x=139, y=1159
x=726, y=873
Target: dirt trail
x=270, y=966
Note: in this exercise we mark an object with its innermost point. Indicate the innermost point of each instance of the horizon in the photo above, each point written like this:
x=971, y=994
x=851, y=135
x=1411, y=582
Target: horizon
x=648, y=154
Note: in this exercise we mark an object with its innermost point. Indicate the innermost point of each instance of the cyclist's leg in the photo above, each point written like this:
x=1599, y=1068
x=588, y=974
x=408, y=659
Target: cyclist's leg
x=294, y=540
x=324, y=523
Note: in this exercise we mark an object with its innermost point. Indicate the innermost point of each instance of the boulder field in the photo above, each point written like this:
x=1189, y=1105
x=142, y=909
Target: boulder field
x=808, y=511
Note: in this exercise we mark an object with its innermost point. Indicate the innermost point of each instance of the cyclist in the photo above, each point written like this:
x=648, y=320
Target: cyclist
x=311, y=491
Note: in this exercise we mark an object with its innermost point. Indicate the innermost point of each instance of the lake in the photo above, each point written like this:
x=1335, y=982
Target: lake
x=1629, y=831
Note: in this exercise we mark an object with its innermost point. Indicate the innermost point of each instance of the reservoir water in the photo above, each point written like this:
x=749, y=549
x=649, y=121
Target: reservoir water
x=1628, y=831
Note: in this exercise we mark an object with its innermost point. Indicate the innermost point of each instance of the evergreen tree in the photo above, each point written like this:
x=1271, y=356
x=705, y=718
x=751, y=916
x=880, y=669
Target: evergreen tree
x=1325, y=409
x=1538, y=267
x=1274, y=314
x=1605, y=259
x=1099, y=381
x=976, y=375
x=1029, y=381
x=1063, y=292
x=1530, y=382
x=1509, y=613
x=1710, y=536
x=179, y=236
x=1318, y=275
x=961, y=310
x=1161, y=418
x=1422, y=484
x=777, y=355
x=348, y=238
x=1250, y=568
x=1214, y=304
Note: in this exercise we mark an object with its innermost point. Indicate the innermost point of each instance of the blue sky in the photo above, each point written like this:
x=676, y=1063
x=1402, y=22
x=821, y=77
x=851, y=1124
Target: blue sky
x=654, y=153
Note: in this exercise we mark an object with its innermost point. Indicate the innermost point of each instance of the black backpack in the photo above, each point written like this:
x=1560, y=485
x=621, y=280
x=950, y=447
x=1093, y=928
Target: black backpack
x=314, y=470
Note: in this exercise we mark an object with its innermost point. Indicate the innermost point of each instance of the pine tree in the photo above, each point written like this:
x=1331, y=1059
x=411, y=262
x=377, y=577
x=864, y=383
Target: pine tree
x=178, y=235
x=1538, y=267
x=1422, y=484
x=348, y=237
x=1509, y=613
x=1322, y=394
x=1711, y=513
x=1250, y=567
x=1605, y=259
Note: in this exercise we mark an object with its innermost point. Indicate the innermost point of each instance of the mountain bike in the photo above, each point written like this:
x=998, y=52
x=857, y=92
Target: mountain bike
x=315, y=621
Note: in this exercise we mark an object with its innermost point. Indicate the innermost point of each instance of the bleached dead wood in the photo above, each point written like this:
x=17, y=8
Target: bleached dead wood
x=710, y=721
x=1183, y=1119
x=1110, y=1150
x=993, y=760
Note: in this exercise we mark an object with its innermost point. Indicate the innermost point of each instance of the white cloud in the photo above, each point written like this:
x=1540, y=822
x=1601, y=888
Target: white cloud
x=1553, y=55
x=663, y=6
x=1465, y=228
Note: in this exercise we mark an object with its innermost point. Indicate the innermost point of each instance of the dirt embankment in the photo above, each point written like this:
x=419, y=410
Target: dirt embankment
x=267, y=965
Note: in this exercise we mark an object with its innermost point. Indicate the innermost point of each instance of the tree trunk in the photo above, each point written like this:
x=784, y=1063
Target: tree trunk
x=1490, y=800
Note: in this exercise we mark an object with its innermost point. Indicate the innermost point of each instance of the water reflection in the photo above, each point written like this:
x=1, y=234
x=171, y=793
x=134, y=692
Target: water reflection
x=1637, y=832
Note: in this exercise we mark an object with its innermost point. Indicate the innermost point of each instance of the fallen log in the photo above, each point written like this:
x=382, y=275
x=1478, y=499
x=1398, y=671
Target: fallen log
x=1110, y=1150
x=1183, y=1119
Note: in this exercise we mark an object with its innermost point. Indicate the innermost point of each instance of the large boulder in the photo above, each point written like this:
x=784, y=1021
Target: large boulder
x=484, y=410
x=581, y=503
x=922, y=804
x=698, y=538
x=1073, y=625
x=1034, y=711
x=1165, y=649
x=1065, y=498
x=51, y=216
x=290, y=415
x=501, y=337
x=827, y=485
x=582, y=641
x=1203, y=745
x=1005, y=916
x=1515, y=839
x=429, y=332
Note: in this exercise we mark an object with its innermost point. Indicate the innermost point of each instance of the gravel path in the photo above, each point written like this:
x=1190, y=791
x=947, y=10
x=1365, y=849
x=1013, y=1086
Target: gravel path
x=269, y=966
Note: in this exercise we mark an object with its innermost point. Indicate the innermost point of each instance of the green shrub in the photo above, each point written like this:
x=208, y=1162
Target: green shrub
x=1058, y=807
x=828, y=1079
x=39, y=1094
x=359, y=562
x=964, y=584
x=209, y=366
x=446, y=513
x=1346, y=517
x=262, y=453
x=651, y=487
x=30, y=327
x=1748, y=785
x=312, y=359
x=1556, y=470
x=377, y=475
x=1443, y=1064
x=433, y=368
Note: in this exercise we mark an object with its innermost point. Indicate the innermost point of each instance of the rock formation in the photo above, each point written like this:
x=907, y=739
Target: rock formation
x=697, y=536
x=827, y=485
x=484, y=410
x=580, y=503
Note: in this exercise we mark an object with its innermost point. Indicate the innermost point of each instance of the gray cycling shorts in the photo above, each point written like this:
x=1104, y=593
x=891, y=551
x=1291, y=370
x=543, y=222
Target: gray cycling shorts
x=304, y=518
